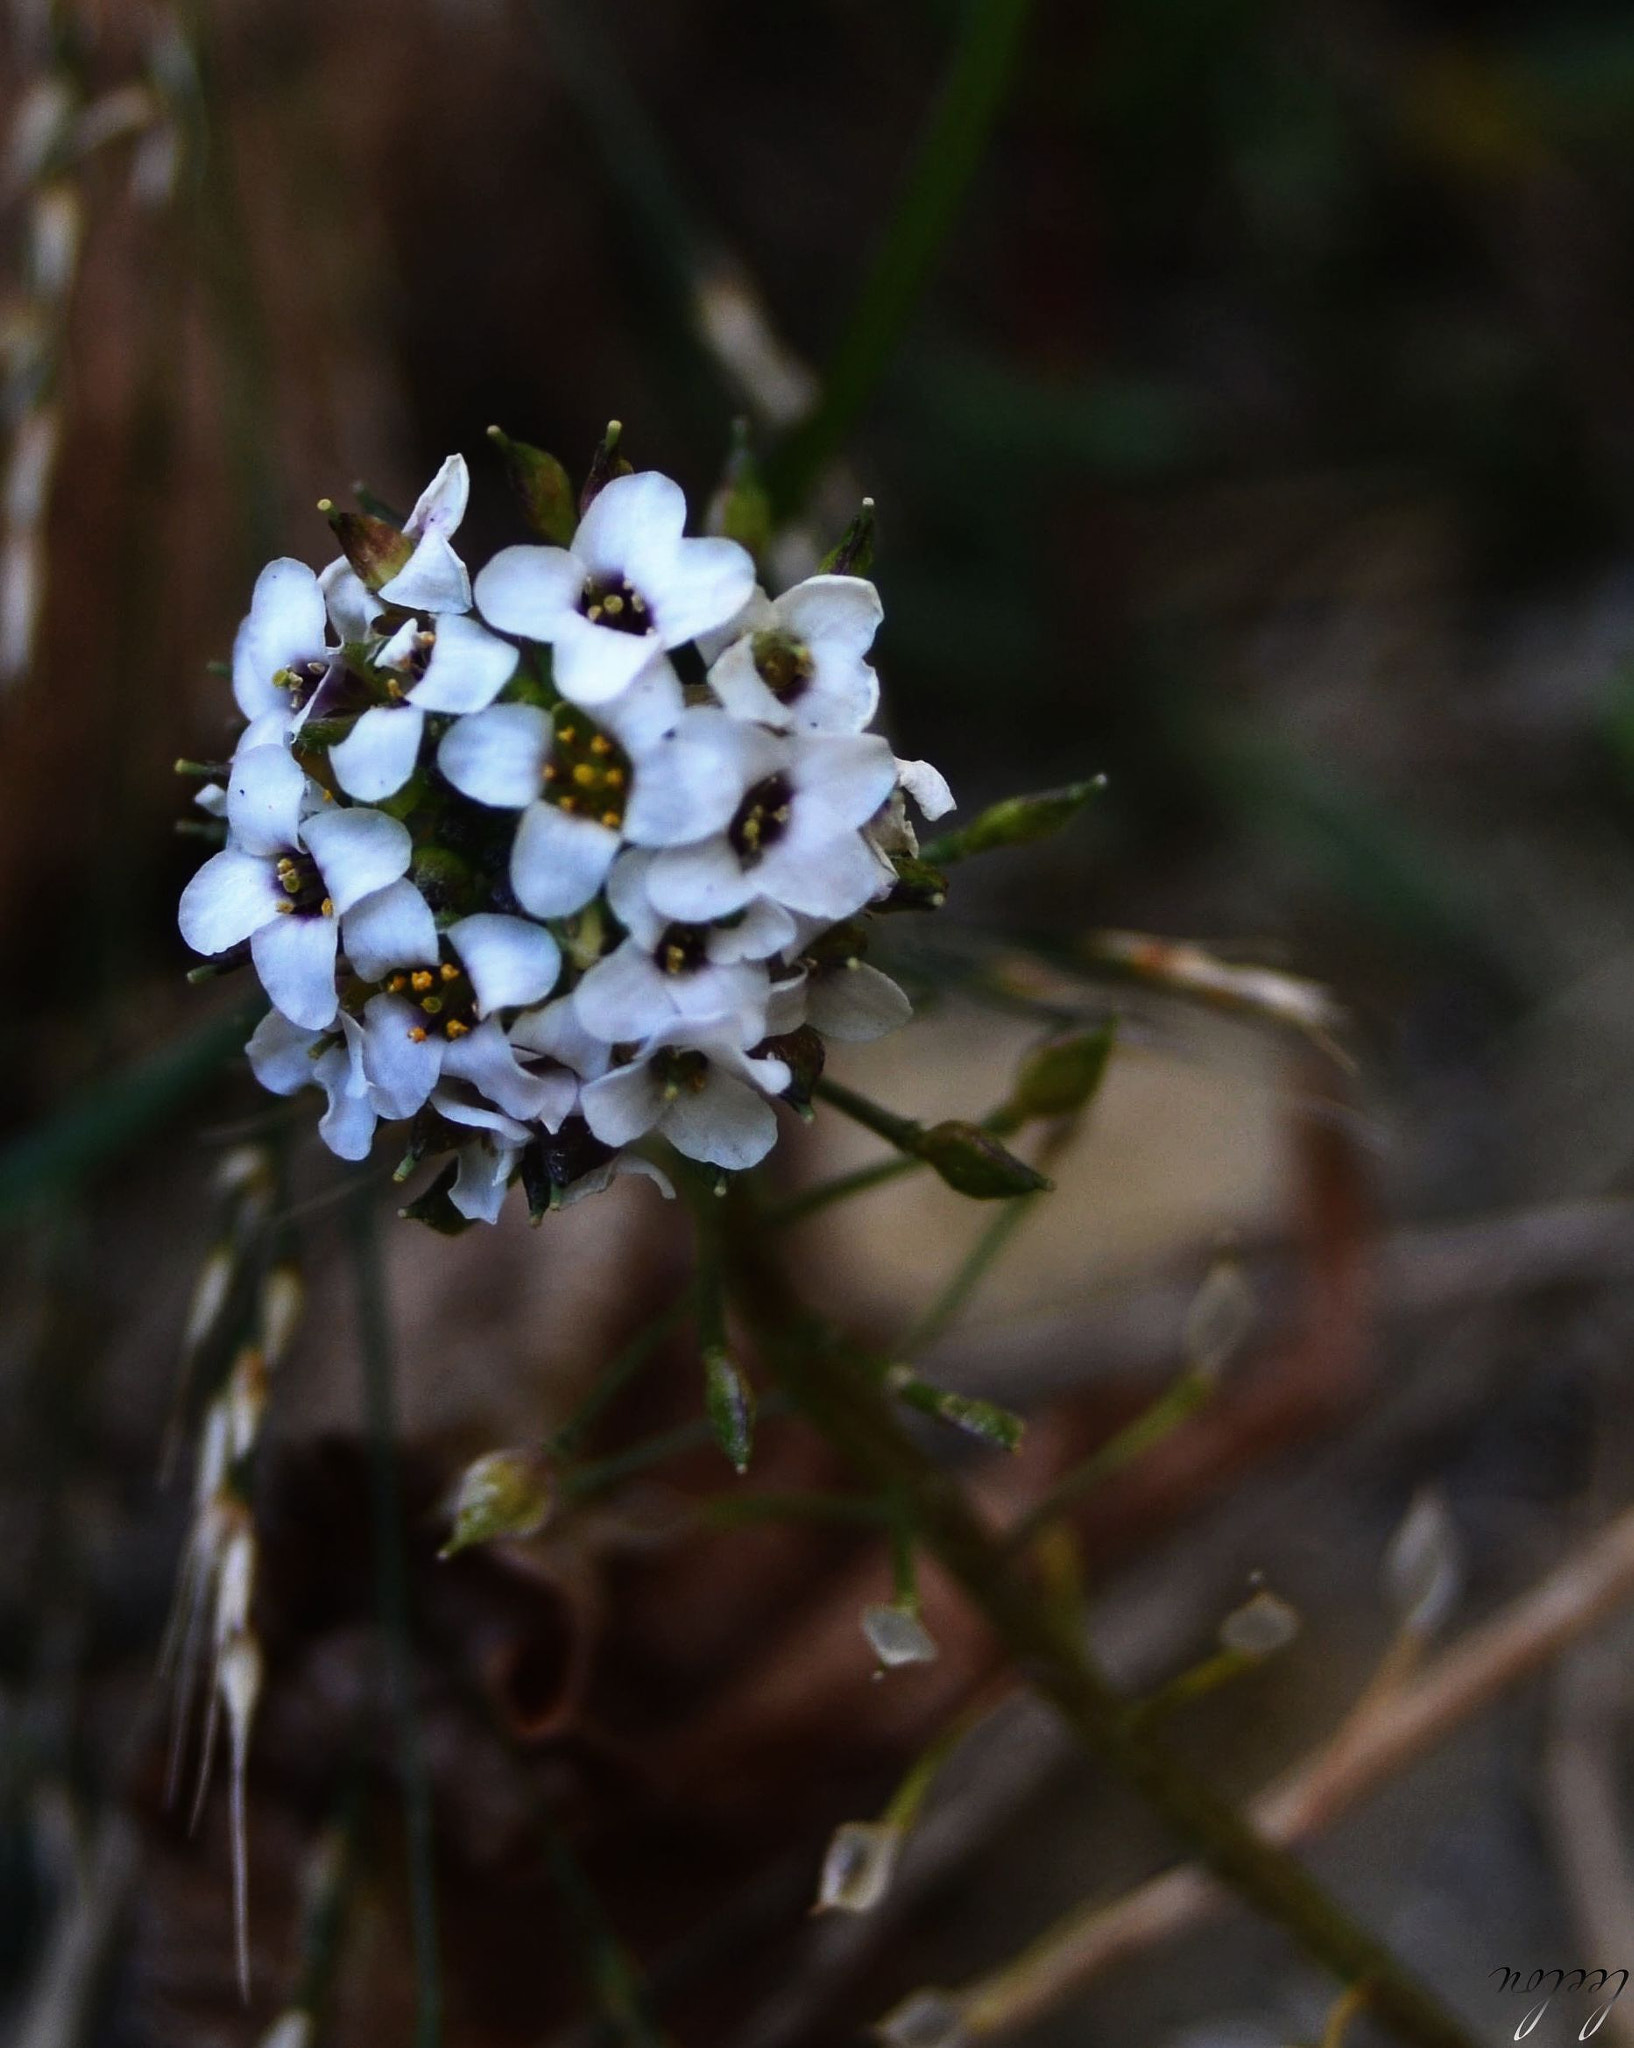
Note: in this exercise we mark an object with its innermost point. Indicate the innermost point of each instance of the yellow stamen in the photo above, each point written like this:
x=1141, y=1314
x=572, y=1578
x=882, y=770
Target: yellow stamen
x=420, y=980
x=418, y=1033
x=455, y=1029
x=449, y=971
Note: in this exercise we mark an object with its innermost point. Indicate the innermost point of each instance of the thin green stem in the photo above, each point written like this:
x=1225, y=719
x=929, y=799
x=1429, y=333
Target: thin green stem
x=616, y=1981
x=614, y=1378
x=840, y=1189
x=1150, y=1426
x=900, y=1131
x=968, y=1276
x=392, y=1596
x=973, y=90
x=842, y=1399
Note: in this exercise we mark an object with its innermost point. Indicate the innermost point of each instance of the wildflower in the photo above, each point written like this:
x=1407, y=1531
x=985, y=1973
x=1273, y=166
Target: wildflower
x=794, y=833
x=629, y=586
x=281, y=656
x=694, y=1083
x=453, y=665
x=433, y=579
x=285, y=1059
x=645, y=771
x=798, y=659
x=291, y=870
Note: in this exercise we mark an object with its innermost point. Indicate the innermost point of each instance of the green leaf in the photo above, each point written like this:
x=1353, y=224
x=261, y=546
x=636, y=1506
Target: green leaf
x=853, y=553
x=505, y=1493
x=974, y=1163
x=542, y=486
x=1016, y=821
x=729, y=1403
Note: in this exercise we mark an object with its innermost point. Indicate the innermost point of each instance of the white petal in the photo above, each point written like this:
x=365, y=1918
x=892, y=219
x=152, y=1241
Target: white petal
x=556, y=1032
x=397, y=651
x=483, y=1180
x=392, y=928
x=558, y=861
x=295, y=958
x=628, y=899
x=856, y=1004
x=844, y=777
x=764, y=928
x=623, y=996
x=441, y=505
x=755, y=614
x=725, y=1123
x=232, y=895
x=633, y=520
x=498, y=756
x=402, y=1069
x=829, y=879
x=484, y=1060
x=682, y=789
x=594, y=664
x=529, y=591
x=624, y=1104
x=265, y=793
x=510, y=961
x=285, y=626
x=695, y=884
x=432, y=580
x=736, y=992
x=279, y=1054
x=379, y=754
x=469, y=666
x=842, y=698
x=927, y=786
x=211, y=799
x=842, y=612
x=347, y=1125
x=479, y=1116
x=703, y=586
x=740, y=687
x=646, y=708
x=357, y=852
x=353, y=607
x=786, y=1004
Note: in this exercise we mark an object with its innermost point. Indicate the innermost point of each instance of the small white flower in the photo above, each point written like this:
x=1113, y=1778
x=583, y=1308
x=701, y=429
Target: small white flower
x=837, y=994
x=799, y=659
x=433, y=579
x=629, y=585
x=281, y=1056
x=434, y=1022
x=644, y=770
x=663, y=970
x=281, y=655
x=455, y=665
x=695, y=1085
x=288, y=874
x=927, y=786
x=794, y=835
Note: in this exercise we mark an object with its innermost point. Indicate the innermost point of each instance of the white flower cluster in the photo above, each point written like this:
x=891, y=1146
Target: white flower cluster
x=501, y=871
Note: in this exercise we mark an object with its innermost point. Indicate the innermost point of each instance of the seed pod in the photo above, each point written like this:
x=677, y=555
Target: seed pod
x=974, y=1163
x=729, y=1403
x=897, y=1636
x=859, y=1866
x=505, y=1493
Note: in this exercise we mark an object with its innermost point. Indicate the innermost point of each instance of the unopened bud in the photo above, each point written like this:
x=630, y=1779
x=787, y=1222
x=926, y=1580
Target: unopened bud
x=376, y=550
x=1017, y=821
x=929, y=2019
x=897, y=1636
x=235, y=1584
x=974, y=1163
x=919, y=885
x=984, y=1420
x=1423, y=1566
x=853, y=553
x=246, y=1401
x=1219, y=1319
x=283, y=1296
x=505, y=1493
x=1061, y=1078
x=1260, y=1627
x=729, y=1403
x=605, y=464
x=542, y=487
x=858, y=1868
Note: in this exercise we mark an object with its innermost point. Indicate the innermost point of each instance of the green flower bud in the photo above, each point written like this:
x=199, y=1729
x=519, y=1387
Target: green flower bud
x=854, y=553
x=506, y=1493
x=974, y=1163
x=542, y=486
x=742, y=508
x=375, y=550
x=1061, y=1078
x=1015, y=822
x=605, y=464
x=919, y=886
x=984, y=1420
x=729, y=1403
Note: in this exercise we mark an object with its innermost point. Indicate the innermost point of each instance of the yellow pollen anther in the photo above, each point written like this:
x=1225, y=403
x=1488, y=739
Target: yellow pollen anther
x=327, y=906
x=614, y=778
x=418, y=1033
x=672, y=1091
x=449, y=971
x=611, y=819
x=552, y=772
x=420, y=980
x=393, y=687
x=584, y=775
x=397, y=984
x=432, y=1005
x=612, y=606
x=567, y=803
x=285, y=907
x=455, y=1029
x=601, y=744
x=567, y=735
x=594, y=615
x=637, y=602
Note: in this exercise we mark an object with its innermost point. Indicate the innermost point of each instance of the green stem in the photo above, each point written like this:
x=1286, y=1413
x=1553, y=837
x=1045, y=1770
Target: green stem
x=615, y=1980
x=900, y=1131
x=807, y=1203
x=823, y=1378
x=617, y=1376
x=1149, y=1427
x=392, y=1595
x=973, y=90
x=971, y=1271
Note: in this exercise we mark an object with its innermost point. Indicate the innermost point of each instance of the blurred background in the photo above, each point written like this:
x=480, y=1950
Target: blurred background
x=1259, y=433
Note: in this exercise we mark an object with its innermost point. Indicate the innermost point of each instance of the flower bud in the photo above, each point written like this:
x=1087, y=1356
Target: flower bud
x=919, y=885
x=1017, y=821
x=505, y=1493
x=858, y=1867
x=984, y=1420
x=742, y=507
x=974, y=1163
x=1260, y=1627
x=729, y=1403
x=605, y=464
x=542, y=487
x=376, y=550
x=1423, y=1566
x=1061, y=1078
x=210, y=1291
x=897, y=1636
x=853, y=553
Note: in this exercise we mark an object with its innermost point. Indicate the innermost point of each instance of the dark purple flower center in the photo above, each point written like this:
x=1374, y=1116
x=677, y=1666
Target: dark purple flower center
x=762, y=818
x=611, y=601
